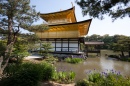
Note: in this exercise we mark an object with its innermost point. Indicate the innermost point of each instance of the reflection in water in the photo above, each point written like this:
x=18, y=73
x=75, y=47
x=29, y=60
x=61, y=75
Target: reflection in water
x=100, y=64
x=106, y=64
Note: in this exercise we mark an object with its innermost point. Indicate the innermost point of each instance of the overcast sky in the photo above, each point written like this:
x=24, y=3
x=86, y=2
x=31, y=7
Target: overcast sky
x=100, y=27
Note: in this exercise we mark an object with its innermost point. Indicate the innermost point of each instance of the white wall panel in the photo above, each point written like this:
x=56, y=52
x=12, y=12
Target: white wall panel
x=58, y=44
x=64, y=49
x=73, y=45
x=58, y=49
x=73, y=49
x=65, y=44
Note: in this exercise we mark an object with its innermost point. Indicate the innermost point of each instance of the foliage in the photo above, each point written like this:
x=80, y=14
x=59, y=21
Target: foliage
x=19, y=47
x=2, y=31
x=2, y=47
x=84, y=82
x=20, y=50
x=73, y=60
x=125, y=59
x=113, y=56
x=47, y=71
x=20, y=12
x=121, y=44
x=108, y=40
x=122, y=58
x=51, y=59
x=46, y=49
x=82, y=46
x=14, y=15
x=29, y=39
x=116, y=43
x=38, y=28
x=64, y=77
x=99, y=8
x=110, y=78
x=93, y=37
x=96, y=78
x=27, y=74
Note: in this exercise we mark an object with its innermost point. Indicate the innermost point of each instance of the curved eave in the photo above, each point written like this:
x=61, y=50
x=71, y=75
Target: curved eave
x=48, y=16
x=89, y=20
x=69, y=30
x=82, y=27
x=74, y=14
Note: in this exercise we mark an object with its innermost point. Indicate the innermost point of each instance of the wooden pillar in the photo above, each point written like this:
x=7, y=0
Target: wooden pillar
x=61, y=45
x=78, y=45
x=129, y=49
x=87, y=50
x=55, y=44
x=68, y=45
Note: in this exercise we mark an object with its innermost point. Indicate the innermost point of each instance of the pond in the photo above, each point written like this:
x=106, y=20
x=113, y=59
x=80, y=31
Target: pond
x=100, y=64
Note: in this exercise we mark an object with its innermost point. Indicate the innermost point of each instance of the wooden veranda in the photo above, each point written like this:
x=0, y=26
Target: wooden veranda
x=93, y=47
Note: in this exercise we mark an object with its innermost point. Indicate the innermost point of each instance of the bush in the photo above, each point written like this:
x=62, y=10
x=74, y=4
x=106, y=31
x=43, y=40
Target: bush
x=104, y=79
x=47, y=71
x=113, y=56
x=84, y=82
x=95, y=77
x=73, y=60
x=27, y=74
x=125, y=59
x=64, y=77
x=51, y=59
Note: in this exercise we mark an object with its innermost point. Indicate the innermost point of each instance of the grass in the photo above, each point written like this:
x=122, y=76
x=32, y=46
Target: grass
x=73, y=60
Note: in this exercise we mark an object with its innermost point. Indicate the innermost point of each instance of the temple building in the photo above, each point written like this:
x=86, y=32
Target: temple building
x=65, y=33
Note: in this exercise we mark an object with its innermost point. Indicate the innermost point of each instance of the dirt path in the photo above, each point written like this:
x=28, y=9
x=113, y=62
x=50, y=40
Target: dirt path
x=50, y=83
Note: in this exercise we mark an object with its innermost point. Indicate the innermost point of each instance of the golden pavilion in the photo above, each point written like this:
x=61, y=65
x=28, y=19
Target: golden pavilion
x=64, y=32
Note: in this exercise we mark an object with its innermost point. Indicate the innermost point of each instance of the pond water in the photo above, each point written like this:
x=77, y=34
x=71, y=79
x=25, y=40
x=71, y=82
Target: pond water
x=100, y=64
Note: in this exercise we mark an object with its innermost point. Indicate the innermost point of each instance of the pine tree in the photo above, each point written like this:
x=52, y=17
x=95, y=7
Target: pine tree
x=14, y=15
x=98, y=8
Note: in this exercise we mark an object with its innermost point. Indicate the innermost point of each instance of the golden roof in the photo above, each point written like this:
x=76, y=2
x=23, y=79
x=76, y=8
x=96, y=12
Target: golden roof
x=61, y=17
x=68, y=30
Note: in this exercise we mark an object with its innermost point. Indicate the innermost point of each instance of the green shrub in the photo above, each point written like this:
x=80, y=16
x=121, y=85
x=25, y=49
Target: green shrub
x=111, y=78
x=25, y=78
x=115, y=80
x=27, y=74
x=73, y=60
x=64, y=77
x=95, y=77
x=84, y=82
x=51, y=59
x=129, y=59
x=125, y=59
x=113, y=56
x=47, y=71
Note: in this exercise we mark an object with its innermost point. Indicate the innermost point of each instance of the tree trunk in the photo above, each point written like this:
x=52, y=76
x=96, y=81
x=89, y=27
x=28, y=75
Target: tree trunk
x=2, y=67
x=122, y=53
x=10, y=30
x=10, y=42
x=129, y=50
x=1, y=60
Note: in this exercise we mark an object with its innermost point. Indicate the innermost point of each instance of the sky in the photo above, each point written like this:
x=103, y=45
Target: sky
x=100, y=27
